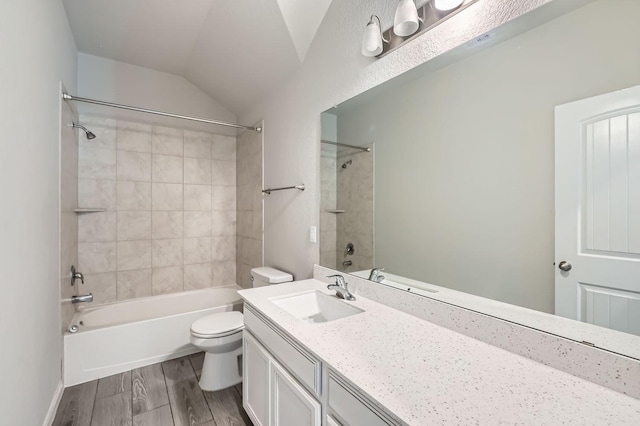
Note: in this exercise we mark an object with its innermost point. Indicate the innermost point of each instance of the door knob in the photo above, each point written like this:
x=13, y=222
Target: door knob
x=564, y=266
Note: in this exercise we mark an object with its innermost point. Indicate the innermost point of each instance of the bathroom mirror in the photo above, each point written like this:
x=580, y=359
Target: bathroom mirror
x=451, y=185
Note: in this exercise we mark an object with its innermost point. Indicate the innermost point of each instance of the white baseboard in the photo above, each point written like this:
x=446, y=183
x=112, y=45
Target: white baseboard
x=55, y=401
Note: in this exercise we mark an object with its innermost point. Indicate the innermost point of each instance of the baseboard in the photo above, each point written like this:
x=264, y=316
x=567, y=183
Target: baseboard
x=55, y=401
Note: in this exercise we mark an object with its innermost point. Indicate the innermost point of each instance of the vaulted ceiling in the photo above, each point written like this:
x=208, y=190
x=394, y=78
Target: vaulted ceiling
x=234, y=50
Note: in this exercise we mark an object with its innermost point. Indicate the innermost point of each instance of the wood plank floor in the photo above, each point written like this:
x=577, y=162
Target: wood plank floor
x=165, y=394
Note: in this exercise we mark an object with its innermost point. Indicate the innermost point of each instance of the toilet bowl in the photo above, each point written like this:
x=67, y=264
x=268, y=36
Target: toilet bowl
x=220, y=337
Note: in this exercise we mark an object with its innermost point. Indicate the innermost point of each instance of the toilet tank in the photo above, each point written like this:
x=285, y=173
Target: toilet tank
x=267, y=276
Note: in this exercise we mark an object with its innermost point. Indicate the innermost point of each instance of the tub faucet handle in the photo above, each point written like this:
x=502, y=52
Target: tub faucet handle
x=76, y=276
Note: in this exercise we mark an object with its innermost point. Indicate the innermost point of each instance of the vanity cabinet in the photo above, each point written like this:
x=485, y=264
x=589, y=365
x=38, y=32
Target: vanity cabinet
x=256, y=366
x=284, y=385
x=271, y=396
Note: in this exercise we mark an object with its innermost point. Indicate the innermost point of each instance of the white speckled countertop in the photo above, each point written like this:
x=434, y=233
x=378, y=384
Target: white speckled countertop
x=426, y=374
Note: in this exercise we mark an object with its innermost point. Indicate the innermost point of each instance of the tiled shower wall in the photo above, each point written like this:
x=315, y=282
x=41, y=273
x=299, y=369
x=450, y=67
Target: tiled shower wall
x=328, y=201
x=349, y=190
x=355, y=195
x=250, y=197
x=170, y=223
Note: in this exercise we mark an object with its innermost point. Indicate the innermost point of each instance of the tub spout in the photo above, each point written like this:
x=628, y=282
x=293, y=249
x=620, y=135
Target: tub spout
x=82, y=298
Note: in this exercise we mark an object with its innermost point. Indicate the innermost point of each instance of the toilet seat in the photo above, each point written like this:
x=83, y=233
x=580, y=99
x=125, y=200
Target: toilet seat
x=218, y=325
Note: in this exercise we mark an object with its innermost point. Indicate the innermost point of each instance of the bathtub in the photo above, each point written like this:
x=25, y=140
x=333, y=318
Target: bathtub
x=117, y=337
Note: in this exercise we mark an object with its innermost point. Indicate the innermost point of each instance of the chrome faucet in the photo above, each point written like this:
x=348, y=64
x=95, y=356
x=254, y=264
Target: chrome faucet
x=341, y=288
x=82, y=298
x=375, y=276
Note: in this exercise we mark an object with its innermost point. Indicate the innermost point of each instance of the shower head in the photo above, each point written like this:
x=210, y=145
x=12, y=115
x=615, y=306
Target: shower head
x=344, y=166
x=90, y=135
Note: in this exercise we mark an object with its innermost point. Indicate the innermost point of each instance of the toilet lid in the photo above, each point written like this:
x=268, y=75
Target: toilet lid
x=218, y=324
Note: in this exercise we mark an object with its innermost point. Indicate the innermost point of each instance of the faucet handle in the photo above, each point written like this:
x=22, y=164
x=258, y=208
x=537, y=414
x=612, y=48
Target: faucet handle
x=76, y=276
x=339, y=280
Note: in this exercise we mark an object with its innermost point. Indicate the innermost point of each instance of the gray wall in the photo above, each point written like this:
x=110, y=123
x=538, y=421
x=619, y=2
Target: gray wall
x=465, y=155
x=37, y=52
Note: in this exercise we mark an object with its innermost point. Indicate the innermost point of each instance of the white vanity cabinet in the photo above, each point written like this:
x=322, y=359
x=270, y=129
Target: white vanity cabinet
x=271, y=395
x=284, y=385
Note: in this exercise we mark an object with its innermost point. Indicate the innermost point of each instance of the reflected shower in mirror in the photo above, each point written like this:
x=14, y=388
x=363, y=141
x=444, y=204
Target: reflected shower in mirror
x=465, y=171
x=346, y=207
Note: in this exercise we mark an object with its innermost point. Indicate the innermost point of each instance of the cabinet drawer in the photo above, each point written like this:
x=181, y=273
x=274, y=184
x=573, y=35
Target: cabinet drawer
x=299, y=362
x=352, y=409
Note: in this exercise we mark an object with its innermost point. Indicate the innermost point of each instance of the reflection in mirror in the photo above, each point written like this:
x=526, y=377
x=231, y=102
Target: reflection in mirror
x=346, y=216
x=465, y=174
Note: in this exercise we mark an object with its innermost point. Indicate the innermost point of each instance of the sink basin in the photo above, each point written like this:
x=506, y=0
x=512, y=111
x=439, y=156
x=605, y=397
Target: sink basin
x=315, y=307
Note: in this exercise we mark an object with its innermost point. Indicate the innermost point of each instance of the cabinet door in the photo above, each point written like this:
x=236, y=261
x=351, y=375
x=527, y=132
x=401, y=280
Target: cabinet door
x=291, y=405
x=332, y=422
x=255, y=380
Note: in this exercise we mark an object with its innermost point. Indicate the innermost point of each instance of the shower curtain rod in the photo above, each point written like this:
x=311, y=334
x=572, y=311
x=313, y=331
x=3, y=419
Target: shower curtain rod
x=68, y=97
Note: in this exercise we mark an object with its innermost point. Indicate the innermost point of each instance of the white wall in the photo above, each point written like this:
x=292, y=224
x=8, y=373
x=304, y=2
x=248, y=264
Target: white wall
x=465, y=158
x=37, y=52
x=118, y=82
x=334, y=71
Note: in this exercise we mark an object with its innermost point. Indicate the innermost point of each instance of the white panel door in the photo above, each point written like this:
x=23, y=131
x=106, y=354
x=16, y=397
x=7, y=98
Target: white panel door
x=597, y=204
x=291, y=404
x=256, y=373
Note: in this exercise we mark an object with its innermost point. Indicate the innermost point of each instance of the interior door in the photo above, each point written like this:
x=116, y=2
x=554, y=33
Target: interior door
x=597, y=200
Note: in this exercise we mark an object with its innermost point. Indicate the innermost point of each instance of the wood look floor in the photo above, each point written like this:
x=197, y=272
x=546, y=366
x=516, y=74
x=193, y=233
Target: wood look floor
x=165, y=394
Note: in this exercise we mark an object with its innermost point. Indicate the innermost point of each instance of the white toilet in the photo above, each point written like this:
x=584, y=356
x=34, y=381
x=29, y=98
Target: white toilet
x=220, y=337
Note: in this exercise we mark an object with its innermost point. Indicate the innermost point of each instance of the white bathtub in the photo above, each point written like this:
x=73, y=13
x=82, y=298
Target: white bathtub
x=117, y=337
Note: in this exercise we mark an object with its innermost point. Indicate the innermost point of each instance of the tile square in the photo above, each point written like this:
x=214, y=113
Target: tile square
x=197, y=197
x=96, y=227
x=197, y=144
x=166, y=140
x=134, y=137
x=167, y=252
x=134, y=166
x=197, y=171
x=197, y=276
x=223, y=147
x=134, y=255
x=96, y=163
x=197, y=250
x=167, y=196
x=223, y=173
x=167, y=280
x=134, y=196
x=197, y=224
x=93, y=193
x=166, y=168
x=95, y=258
x=167, y=224
x=133, y=284
x=134, y=225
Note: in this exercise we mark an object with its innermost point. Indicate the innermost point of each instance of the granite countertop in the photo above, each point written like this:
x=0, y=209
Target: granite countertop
x=426, y=374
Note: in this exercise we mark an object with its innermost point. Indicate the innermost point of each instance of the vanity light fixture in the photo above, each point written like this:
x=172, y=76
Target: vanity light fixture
x=406, y=20
x=372, y=40
x=409, y=22
x=446, y=5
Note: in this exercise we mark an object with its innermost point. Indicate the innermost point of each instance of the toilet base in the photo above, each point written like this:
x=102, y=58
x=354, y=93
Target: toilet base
x=221, y=370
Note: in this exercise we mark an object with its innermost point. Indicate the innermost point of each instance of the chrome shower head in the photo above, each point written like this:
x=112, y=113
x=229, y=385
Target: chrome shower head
x=90, y=135
x=344, y=166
